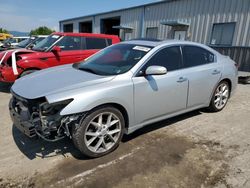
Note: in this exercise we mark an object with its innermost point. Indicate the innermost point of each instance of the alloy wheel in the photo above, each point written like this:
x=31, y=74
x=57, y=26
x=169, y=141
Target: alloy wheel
x=221, y=96
x=103, y=132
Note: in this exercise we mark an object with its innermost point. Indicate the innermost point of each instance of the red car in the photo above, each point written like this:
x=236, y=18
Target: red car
x=56, y=49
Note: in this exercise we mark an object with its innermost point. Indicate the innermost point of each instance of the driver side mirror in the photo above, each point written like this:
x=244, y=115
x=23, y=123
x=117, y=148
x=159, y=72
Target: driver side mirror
x=156, y=70
x=56, y=49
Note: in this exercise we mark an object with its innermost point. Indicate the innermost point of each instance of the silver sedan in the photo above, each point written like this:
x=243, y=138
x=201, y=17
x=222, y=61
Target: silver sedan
x=119, y=90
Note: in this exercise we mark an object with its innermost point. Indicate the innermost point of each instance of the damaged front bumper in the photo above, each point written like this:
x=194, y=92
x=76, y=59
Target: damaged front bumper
x=34, y=120
x=26, y=127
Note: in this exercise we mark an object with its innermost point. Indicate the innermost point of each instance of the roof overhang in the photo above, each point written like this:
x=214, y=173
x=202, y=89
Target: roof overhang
x=175, y=23
x=122, y=27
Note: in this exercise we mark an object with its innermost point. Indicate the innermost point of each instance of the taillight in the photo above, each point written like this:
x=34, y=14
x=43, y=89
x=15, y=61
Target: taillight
x=236, y=65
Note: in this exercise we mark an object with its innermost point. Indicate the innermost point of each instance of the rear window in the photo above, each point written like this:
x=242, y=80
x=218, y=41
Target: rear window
x=95, y=43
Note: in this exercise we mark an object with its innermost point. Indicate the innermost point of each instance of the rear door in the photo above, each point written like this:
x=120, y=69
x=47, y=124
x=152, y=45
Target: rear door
x=202, y=72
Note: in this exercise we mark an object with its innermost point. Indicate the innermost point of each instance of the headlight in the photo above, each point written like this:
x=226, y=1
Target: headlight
x=51, y=109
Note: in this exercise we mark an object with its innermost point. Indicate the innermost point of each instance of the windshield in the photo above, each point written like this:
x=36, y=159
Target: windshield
x=25, y=42
x=114, y=60
x=46, y=43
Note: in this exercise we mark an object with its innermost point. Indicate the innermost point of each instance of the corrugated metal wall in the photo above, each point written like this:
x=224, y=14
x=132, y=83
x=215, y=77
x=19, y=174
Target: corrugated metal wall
x=201, y=14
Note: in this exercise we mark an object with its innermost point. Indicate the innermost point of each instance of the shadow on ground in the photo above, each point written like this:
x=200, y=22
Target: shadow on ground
x=33, y=148
x=5, y=87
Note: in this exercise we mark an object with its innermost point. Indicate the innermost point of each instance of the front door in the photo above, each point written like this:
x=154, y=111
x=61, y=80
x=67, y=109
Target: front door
x=71, y=50
x=159, y=95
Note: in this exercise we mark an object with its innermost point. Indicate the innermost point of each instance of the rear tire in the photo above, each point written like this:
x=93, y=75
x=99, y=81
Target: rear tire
x=220, y=97
x=100, y=132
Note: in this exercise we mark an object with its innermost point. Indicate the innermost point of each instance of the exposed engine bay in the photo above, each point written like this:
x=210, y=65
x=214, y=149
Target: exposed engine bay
x=36, y=117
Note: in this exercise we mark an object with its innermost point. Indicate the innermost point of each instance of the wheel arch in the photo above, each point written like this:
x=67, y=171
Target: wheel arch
x=121, y=108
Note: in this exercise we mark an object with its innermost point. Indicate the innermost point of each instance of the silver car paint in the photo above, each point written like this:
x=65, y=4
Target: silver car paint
x=55, y=82
x=145, y=99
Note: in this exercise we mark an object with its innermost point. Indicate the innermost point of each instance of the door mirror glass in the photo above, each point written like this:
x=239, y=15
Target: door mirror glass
x=56, y=49
x=155, y=70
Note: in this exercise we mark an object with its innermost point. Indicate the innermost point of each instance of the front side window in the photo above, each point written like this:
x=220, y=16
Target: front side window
x=95, y=43
x=46, y=43
x=169, y=57
x=69, y=43
x=194, y=56
x=114, y=60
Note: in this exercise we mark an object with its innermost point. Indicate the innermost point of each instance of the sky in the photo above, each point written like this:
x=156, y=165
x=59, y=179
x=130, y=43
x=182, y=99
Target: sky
x=24, y=15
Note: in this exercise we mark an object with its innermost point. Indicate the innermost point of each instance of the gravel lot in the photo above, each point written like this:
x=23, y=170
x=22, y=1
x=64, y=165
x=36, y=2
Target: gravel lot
x=197, y=149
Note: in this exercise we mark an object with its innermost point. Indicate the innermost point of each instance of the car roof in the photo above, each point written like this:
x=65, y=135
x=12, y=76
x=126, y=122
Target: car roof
x=85, y=34
x=154, y=43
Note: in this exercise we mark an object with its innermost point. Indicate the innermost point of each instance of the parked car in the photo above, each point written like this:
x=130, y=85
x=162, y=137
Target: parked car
x=119, y=90
x=12, y=42
x=28, y=43
x=57, y=49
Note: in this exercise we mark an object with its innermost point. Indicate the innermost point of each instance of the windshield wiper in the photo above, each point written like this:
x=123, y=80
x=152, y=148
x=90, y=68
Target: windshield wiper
x=87, y=70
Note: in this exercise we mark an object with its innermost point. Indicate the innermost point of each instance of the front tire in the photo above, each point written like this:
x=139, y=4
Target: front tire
x=220, y=97
x=100, y=132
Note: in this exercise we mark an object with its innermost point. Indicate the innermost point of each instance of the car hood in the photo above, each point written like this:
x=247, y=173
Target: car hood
x=55, y=80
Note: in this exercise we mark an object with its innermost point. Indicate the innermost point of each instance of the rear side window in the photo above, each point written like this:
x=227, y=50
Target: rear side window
x=194, y=56
x=169, y=57
x=95, y=43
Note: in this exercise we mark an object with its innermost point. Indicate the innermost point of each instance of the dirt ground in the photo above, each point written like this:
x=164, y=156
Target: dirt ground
x=197, y=149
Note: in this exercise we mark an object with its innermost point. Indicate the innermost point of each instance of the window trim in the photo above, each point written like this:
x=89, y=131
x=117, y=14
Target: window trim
x=222, y=23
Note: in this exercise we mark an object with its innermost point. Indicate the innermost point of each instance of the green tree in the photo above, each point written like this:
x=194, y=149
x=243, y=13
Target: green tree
x=3, y=31
x=43, y=30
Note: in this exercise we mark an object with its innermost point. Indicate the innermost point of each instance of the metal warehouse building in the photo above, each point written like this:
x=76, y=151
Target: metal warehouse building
x=222, y=24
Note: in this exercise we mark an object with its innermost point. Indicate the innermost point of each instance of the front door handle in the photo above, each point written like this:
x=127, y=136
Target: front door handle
x=215, y=72
x=181, y=79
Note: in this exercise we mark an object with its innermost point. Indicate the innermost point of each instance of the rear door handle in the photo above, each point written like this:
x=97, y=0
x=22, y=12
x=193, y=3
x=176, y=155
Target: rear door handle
x=215, y=72
x=181, y=79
